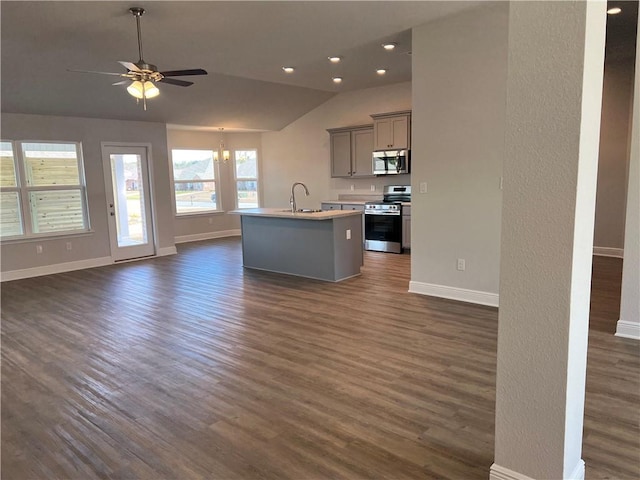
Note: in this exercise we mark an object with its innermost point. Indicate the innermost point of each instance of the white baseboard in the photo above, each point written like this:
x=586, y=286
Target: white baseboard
x=608, y=252
x=207, y=236
x=578, y=471
x=454, y=293
x=163, y=252
x=55, y=268
x=628, y=329
x=498, y=472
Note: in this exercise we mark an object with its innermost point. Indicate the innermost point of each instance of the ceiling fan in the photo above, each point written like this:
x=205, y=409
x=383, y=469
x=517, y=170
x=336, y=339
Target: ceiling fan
x=143, y=75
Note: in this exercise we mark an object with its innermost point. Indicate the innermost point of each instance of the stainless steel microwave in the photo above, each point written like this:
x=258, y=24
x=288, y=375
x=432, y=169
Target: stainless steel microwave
x=390, y=162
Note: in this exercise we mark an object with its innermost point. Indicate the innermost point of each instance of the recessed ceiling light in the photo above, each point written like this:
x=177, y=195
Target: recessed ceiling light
x=337, y=79
x=288, y=69
x=614, y=11
x=389, y=46
x=334, y=59
x=381, y=71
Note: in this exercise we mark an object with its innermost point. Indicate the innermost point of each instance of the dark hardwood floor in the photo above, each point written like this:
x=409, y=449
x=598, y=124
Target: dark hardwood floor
x=189, y=367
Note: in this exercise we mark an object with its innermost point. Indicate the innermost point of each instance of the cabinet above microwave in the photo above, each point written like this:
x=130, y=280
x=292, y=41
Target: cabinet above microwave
x=392, y=130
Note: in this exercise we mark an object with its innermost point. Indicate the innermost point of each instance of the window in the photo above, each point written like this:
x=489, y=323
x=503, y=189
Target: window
x=49, y=179
x=246, y=172
x=194, y=181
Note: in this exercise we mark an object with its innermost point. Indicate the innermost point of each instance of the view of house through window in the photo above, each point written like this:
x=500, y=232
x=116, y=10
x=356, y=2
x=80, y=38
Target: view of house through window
x=49, y=179
x=194, y=181
x=246, y=173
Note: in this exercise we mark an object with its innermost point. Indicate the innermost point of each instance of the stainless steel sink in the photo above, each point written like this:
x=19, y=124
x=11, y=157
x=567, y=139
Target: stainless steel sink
x=303, y=210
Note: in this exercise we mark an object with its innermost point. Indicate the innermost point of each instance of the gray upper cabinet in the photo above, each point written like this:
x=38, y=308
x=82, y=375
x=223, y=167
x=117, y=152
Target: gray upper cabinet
x=351, y=151
x=392, y=130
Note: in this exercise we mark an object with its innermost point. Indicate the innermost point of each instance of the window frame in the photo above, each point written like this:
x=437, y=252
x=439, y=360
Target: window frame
x=246, y=179
x=215, y=181
x=25, y=190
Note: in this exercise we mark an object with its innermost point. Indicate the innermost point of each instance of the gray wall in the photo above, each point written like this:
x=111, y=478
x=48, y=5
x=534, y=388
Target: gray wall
x=614, y=153
x=300, y=151
x=202, y=225
x=459, y=91
x=90, y=132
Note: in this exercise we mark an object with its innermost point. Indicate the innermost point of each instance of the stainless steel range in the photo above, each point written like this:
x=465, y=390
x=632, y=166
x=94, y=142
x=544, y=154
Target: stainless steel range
x=383, y=220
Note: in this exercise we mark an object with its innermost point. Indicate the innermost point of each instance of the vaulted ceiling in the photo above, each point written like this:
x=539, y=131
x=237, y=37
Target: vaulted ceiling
x=242, y=45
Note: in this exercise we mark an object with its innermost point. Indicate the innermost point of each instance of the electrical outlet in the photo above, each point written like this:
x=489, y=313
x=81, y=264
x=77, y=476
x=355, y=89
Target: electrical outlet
x=210, y=220
x=461, y=264
x=38, y=249
x=501, y=181
x=69, y=246
x=423, y=187
x=373, y=188
x=353, y=187
x=349, y=234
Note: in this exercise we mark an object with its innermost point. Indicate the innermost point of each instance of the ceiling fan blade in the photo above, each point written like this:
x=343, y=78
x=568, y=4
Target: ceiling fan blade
x=182, y=73
x=99, y=73
x=175, y=81
x=123, y=82
x=130, y=66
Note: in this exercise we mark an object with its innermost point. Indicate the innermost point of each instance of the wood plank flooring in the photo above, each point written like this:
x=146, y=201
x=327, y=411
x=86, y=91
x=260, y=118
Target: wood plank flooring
x=190, y=367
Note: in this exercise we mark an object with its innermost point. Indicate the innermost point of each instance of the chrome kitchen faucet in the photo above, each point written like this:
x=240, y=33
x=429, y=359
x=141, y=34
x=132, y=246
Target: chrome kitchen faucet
x=292, y=199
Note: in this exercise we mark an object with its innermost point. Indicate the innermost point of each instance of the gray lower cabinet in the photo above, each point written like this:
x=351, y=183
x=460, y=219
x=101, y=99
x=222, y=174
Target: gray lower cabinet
x=331, y=206
x=351, y=151
x=406, y=227
x=353, y=206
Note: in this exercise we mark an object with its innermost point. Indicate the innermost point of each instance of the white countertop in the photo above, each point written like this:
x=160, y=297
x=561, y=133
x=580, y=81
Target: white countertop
x=284, y=213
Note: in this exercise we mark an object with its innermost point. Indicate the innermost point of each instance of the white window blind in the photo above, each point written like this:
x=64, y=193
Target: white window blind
x=49, y=178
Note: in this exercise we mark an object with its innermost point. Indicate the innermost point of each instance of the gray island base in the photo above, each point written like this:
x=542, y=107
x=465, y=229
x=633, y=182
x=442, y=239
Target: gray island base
x=320, y=245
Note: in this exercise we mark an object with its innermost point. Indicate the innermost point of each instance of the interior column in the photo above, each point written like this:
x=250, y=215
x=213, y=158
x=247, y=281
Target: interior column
x=554, y=94
x=629, y=323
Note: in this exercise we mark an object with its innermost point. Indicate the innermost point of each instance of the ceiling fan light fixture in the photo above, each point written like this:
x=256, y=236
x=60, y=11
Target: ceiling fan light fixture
x=150, y=90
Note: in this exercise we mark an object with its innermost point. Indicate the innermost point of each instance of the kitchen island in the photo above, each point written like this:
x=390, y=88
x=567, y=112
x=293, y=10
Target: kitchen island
x=314, y=244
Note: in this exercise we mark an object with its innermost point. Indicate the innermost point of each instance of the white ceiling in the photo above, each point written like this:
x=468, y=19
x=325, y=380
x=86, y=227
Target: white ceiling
x=242, y=45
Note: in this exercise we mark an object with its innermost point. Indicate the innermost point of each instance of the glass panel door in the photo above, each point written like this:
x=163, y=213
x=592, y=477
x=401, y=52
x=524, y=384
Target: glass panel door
x=130, y=221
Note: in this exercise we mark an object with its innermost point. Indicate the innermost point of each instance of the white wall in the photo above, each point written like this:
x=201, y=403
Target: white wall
x=18, y=255
x=213, y=224
x=300, y=151
x=629, y=323
x=554, y=98
x=614, y=155
x=459, y=90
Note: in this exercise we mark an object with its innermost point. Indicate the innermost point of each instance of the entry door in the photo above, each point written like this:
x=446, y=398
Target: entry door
x=129, y=202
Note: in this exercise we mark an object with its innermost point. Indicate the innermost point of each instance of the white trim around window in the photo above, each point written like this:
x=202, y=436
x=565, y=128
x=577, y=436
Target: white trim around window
x=194, y=176
x=246, y=178
x=42, y=190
